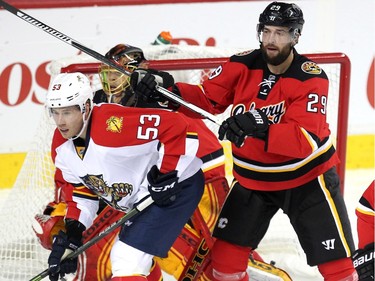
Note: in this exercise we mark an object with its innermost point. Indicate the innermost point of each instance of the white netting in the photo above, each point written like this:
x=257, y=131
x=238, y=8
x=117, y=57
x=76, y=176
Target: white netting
x=22, y=257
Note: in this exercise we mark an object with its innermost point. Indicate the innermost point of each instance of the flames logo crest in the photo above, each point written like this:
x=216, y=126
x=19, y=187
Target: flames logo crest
x=311, y=68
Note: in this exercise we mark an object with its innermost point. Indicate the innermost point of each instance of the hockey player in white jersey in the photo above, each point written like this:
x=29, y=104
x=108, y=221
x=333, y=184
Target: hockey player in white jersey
x=121, y=155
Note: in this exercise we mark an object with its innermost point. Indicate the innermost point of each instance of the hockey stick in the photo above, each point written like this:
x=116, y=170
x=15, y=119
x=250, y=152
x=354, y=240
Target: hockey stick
x=139, y=208
x=68, y=40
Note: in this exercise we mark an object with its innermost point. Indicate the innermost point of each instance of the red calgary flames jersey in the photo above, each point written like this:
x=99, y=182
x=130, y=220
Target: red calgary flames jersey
x=298, y=147
x=365, y=212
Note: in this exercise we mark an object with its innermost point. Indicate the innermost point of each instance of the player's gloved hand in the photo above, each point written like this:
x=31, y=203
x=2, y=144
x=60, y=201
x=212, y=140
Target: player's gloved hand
x=144, y=84
x=363, y=261
x=163, y=187
x=62, y=246
x=253, y=123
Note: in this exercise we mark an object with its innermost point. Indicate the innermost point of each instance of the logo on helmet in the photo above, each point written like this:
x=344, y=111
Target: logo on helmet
x=282, y=14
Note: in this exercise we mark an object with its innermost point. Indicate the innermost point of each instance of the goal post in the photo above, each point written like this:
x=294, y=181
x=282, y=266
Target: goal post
x=21, y=255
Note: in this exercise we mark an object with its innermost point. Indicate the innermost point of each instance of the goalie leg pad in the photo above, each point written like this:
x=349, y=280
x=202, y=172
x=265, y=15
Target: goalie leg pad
x=155, y=273
x=261, y=271
x=181, y=251
x=215, y=192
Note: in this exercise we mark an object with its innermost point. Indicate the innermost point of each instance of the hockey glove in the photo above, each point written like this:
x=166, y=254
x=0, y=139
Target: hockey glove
x=61, y=247
x=163, y=188
x=363, y=261
x=144, y=84
x=253, y=123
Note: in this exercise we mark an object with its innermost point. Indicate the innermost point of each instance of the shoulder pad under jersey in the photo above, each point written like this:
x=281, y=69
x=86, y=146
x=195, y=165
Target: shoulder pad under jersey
x=304, y=69
x=249, y=58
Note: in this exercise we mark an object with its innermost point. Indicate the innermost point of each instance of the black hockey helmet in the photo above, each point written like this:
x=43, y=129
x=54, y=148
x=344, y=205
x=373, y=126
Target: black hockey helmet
x=282, y=14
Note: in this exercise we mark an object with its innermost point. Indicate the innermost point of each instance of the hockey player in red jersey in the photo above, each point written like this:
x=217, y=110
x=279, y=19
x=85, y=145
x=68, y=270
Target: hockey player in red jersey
x=283, y=156
x=121, y=155
x=363, y=258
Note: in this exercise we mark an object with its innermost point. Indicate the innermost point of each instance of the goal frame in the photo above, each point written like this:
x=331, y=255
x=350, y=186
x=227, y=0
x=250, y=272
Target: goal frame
x=210, y=63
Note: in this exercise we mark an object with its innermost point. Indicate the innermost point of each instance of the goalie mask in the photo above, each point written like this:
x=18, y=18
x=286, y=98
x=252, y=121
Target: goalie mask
x=113, y=81
x=282, y=14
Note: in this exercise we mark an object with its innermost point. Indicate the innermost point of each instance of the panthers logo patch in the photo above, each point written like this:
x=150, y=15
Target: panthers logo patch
x=311, y=68
x=111, y=194
x=114, y=124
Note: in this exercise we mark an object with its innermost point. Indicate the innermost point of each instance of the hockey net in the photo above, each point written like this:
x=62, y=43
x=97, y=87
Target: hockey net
x=22, y=257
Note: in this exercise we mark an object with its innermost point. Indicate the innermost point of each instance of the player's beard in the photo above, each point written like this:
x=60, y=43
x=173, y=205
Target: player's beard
x=279, y=58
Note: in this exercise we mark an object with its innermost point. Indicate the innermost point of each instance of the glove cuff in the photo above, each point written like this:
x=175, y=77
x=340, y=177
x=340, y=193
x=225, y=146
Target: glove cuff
x=74, y=231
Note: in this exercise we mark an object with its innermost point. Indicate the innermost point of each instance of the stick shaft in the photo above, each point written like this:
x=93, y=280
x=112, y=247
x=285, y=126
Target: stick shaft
x=140, y=207
x=171, y=96
x=68, y=40
x=61, y=36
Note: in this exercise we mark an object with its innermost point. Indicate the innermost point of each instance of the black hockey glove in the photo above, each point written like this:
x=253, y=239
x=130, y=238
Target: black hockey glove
x=63, y=245
x=363, y=261
x=253, y=123
x=144, y=84
x=163, y=187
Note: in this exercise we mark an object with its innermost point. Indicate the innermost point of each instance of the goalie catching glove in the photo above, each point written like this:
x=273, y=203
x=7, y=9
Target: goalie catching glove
x=253, y=123
x=144, y=84
x=163, y=188
x=63, y=244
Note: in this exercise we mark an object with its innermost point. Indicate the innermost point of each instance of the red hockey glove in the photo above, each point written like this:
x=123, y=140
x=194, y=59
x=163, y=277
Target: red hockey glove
x=363, y=261
x=163, y=188
x=144, y=84
x=253, y=123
